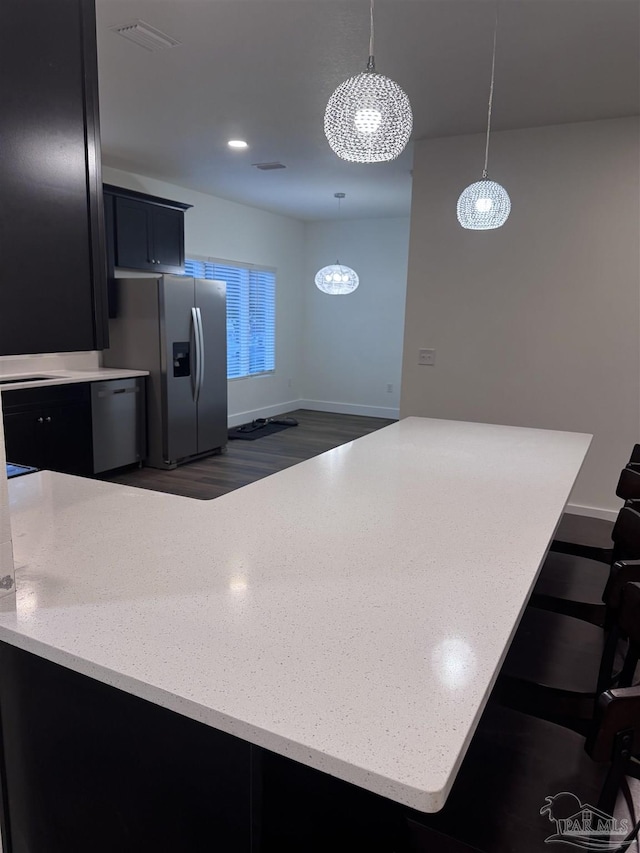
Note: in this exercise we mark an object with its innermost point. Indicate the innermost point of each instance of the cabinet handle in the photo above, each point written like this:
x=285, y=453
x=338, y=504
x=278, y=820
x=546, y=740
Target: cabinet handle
x=48, y=420
x=40, y=420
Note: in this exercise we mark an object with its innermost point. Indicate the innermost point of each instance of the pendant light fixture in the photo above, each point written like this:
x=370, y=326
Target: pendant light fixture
x=485, y=204
x=336, y=279
x=368, y=118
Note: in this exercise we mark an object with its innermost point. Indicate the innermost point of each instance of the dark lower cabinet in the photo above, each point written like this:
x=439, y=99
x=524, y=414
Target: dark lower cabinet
x=67, y=438
x=305, y=810
x=53, y=274
x=49, y=428
x=82, y=428
x=23, y=435
x=88, y=768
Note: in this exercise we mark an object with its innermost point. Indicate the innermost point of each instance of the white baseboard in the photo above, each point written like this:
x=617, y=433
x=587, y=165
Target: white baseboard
x=350, y=409
x=266, y=412
x=315, y=406
x=592, y=511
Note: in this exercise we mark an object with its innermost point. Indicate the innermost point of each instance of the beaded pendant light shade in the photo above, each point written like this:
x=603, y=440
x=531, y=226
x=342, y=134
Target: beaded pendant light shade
x=336, y=279
x=368, y=118
x=485, y=204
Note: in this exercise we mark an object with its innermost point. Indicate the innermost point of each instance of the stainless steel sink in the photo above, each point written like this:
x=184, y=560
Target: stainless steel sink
x=24, y=379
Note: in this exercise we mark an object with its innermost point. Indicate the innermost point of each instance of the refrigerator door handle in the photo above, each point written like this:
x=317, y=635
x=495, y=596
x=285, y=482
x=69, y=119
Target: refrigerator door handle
x=200, y=350
x=198, y=353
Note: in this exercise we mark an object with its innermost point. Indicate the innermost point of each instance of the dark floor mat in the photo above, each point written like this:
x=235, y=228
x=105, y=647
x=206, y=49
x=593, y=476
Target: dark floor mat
x=249, y=432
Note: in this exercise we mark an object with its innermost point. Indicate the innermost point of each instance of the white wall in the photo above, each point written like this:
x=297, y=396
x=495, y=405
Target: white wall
x=352, y=345
x=536, y=323
x=223, y=229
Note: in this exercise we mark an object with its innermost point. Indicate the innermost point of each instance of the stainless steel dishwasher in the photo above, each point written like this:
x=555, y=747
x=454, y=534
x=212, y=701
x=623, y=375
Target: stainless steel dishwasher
x=118, y=414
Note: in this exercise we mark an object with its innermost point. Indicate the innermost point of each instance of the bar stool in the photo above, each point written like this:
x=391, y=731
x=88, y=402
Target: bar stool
x=594, y=540
x=557, y=664
x=516, y=766
x=574, y=585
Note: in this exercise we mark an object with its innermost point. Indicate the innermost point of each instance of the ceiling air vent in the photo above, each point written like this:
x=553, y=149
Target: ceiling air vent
x=144, y=35
x=267, y=167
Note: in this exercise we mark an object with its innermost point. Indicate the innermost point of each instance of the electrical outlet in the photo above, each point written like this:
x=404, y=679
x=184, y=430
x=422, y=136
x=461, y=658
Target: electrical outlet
x=427, y=357
x=389, y=388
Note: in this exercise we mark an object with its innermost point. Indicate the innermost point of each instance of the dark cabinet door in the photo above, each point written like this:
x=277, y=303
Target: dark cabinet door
x=144, y=232
x=53, y=274
x=50, y=427
x=67, y=438
x=168, y=239
x=23, y=435
x=134, y=245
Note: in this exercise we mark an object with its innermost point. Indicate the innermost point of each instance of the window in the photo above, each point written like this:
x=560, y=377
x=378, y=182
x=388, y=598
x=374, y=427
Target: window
x=251, y=301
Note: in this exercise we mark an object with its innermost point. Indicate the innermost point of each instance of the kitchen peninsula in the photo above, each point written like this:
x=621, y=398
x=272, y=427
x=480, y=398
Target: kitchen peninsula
x=170, y=665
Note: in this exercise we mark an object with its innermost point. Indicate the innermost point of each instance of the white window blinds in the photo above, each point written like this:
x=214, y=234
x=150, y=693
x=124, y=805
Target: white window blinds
x=251, y=298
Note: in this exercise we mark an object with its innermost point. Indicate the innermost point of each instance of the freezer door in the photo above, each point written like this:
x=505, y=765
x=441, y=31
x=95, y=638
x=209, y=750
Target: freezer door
x=179, y=367
x=211, y=306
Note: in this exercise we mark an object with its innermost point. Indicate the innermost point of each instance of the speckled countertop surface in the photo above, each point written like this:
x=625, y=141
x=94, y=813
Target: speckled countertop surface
x=66, y=377
x=350, y=612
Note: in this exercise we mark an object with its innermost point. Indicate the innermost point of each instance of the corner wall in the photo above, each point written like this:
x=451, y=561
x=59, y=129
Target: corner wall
x=537, y=323
x=352, y=345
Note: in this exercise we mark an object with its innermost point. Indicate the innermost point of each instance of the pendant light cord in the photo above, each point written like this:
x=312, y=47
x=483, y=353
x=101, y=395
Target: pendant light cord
x=371, y=64
x=339, y=229
x=493, y=75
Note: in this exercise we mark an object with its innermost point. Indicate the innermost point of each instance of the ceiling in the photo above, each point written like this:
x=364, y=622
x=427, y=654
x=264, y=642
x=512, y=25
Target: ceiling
x=263, y=70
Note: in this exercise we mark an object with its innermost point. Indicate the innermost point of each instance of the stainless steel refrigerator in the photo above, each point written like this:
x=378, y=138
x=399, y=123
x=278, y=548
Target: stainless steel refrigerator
x=176, y=328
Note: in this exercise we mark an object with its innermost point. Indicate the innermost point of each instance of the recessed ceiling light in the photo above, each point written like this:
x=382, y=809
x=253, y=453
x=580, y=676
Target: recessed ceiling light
x=237, y=143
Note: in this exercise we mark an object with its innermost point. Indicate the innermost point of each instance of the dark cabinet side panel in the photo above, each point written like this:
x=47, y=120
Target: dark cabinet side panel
x=51, y=264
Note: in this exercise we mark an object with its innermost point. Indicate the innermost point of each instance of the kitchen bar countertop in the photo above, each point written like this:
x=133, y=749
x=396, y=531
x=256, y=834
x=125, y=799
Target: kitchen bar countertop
x=351, y=612
x=65, y=377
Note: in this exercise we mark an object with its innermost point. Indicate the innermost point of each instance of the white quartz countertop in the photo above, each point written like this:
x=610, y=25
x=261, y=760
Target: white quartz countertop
x=351, y=612
x=66, y=377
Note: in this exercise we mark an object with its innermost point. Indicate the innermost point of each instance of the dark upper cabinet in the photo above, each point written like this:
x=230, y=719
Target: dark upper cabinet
x=168, y=238
x=53, y=270
x=145, y=232
x=133, y=237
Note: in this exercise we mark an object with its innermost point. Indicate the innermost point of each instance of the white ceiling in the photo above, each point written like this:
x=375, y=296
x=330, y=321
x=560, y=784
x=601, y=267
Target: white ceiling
x=262, y=70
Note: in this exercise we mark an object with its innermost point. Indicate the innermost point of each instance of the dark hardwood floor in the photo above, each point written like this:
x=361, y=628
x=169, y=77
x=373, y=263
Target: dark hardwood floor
x=244, y=462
